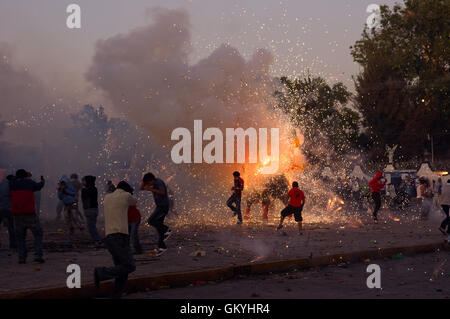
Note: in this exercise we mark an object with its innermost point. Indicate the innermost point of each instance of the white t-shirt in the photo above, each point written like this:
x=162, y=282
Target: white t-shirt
x=116, y=211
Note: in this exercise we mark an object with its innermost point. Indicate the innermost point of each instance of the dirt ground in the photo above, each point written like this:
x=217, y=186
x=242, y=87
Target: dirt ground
x=219, y=246
x=420, y=276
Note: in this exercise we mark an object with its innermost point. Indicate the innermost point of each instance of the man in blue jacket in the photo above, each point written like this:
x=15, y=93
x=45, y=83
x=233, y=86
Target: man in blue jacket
x=67, y=195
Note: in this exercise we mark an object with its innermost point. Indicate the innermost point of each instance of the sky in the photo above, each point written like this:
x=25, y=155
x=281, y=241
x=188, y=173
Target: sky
x=302, y=35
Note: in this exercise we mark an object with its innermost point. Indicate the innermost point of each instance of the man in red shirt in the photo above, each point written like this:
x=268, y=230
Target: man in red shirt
x=296, y=199
x=376, y=185
x=235, y=198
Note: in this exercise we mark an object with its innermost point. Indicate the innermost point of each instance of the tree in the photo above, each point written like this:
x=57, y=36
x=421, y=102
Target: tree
x=319, y=111
x=403, y=89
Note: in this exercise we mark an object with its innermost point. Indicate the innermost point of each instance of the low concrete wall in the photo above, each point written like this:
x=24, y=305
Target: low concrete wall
x=147, y=283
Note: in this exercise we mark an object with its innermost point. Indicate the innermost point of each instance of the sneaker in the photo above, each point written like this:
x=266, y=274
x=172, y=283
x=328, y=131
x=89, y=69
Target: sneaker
x=239, y=222
x=375, y=219
x=160, y=251
x=39, y=260
x=96, y=279
x=280, y=226
x=442, y=231
x=168, y=234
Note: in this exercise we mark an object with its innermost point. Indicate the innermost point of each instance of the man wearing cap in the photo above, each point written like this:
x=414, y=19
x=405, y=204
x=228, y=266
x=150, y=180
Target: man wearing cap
x=23, y=208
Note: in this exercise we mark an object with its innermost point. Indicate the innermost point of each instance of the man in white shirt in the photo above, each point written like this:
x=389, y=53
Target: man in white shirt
x=117, y=239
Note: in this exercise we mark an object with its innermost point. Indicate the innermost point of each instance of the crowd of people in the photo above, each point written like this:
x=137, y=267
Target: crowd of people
x=122, y=218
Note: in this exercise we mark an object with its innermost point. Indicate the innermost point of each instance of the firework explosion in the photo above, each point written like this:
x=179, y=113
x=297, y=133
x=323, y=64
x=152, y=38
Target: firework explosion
x=156, y=87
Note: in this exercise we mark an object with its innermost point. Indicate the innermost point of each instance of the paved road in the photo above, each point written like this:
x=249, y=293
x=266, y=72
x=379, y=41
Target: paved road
x=420, y=276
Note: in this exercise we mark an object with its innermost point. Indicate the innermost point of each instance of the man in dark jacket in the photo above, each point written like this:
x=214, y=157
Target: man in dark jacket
x=5, y=210
x=23, y=208
x=89, y=197
x=158, y=188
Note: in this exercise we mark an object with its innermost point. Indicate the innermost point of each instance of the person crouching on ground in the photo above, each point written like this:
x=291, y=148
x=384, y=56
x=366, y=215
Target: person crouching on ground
x=296, y=199
x=23, y=208
x=235, y=198
x=117, y=239
x=89, y=197
x=158, y=188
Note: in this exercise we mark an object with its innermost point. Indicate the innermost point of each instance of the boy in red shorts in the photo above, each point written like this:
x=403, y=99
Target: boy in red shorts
x=295, y=206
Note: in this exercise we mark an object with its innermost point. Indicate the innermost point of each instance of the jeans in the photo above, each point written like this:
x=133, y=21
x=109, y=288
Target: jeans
x=236, y=209
x=22, y=224
x=91, y=215
x=446, y=222
x=59, y=209
x=71, y=218
x=133, y=229
x=118, y=246
x=427, y=204
x=377, y=200
x=156, y=220
x=6, y=216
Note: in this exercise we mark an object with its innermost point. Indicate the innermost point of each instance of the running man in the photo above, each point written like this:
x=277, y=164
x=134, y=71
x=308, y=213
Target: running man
x=296, y=199
x=117, y=239
x=158, y=188
x=376, y=185
x=235, y=198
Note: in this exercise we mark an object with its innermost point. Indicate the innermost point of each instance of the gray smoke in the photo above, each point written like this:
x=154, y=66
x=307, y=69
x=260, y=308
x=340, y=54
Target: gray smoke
x=147, y=76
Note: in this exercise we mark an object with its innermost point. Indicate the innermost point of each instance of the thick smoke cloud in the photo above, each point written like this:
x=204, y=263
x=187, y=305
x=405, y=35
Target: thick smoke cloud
x=147, y=76
x=20, y=92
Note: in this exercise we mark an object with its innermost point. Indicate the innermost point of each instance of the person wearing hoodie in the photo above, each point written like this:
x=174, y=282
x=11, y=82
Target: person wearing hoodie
x=67, y=195
x=376, y=186
x=117, y=239
x=5, y=210
x=23, y=208
x=445, y=204
x=89, y=197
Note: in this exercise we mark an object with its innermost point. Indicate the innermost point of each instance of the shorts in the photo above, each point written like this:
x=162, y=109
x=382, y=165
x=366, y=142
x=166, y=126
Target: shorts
x=297, y=211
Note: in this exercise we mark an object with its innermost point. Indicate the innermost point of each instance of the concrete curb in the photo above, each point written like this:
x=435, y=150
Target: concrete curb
x=155, y=282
